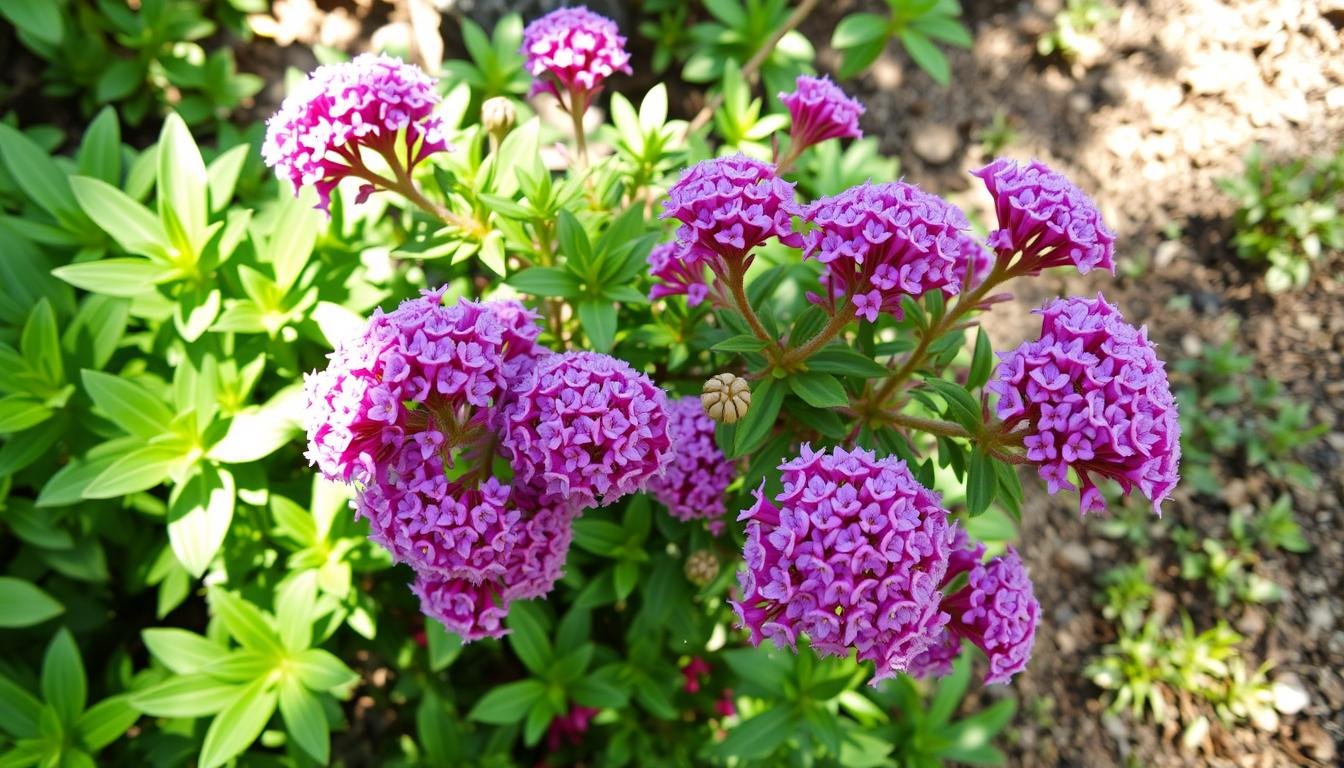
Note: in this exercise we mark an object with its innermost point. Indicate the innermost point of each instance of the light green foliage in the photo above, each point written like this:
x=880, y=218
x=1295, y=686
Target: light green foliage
x=1289, y=215
x=1074, y=27
x=732, y=35
x=919, y=25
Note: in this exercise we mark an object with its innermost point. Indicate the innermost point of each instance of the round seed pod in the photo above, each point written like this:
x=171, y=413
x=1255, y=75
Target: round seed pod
x=726, y=398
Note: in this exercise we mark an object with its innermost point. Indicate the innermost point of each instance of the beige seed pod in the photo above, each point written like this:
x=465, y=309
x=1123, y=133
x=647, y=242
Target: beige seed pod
x=498, y=116
x=702, y=567
x=726, y=398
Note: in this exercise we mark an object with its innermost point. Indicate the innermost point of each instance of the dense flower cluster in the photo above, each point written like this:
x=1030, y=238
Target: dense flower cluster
x=1046, y=218
x=679, y=273
x=588, y=428
x=997, y=611
x=728, y=206
x=853, y=553
x=820, y=111
x=570, y=52
x=880, y=242
x=413, y=411
x=340, y=109
x=699, y=474
x=1090, y=395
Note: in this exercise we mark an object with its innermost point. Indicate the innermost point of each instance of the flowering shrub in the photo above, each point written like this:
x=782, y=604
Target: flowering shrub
x=658, y=443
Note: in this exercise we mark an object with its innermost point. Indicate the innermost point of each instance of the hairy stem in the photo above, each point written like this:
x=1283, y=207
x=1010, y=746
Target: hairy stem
x=736, y=275
x=753, y=65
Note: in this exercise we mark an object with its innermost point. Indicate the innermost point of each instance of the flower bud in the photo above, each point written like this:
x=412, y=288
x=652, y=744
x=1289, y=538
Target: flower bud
x=702, y=567
x=726, y=398
x=498, y=116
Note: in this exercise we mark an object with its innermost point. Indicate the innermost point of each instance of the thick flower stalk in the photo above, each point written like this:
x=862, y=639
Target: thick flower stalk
x=852, y=553
x=880, y=242
x=570, y=53
x=1090, y=395
x=997, y=611
x=1046, y=219
x=727, y=207
x=698, y=476
x=588, y=428
x=820, y=111
x=372, y=102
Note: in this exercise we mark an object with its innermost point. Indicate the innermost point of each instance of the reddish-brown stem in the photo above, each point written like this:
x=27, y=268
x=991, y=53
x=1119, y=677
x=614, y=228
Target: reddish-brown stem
x=736, y=276
x=837, y=324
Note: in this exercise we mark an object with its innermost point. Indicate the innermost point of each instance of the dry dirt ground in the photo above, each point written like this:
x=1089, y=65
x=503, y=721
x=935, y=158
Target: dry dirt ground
x=1169, y=99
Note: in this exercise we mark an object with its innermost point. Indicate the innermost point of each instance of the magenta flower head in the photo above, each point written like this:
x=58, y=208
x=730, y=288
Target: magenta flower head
x=476, y=609
x=728, y=206
x=1043, y=216
x=371, y=102
x=588, y=428
x=821, y=111
x=853, y=553
x=570, y=52
x=997, y=611
x=880, y=242
x=697, y=477
x=679, y=272
x=1090, y=395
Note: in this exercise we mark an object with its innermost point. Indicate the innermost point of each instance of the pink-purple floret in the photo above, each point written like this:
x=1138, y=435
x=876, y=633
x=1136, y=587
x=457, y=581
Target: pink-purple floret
x=573, y=51
x=998, y=612
x=317, y=136
x=728, y=206
x=1091, y=395
x=821, y=111
x=679, y=274
x=852, y=553
x=880, y=242
x=694, y=485
x=1045, y=217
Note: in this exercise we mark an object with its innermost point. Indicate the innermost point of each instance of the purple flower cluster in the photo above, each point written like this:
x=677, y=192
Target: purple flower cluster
x=1047, y=219
x=820, y=111
x=680, y=274
x=587, y=427
x=728, y=206
x=1090, y=395
x=997, y=611
x=570, y=52
x=853, y=553
x=414, y=412
x=880, y=242
x=369, y=102
x=697, y=477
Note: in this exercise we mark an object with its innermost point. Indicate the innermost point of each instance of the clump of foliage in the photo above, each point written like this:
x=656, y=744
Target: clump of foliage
x=1074, y=26
x=1288, y=215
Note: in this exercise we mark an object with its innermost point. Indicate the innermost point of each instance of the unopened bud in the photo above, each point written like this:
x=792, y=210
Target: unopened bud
x=702, y=567
x=726, y=398
x=498, y=116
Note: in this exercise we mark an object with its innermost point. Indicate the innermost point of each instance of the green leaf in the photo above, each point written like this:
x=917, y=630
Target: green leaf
x=947, y=696
x=41, y=344
x=527, y=636
x=183, y=182
x=763, y=667
x=843, y=361
x=223, y=176
x=548, y=282
x=926, y=55
x=598, y=318
x=304, y=720
x=741, y=343
x=600, y=689
x=981, y=361
x=128, y=405
x=23, y=448
x=25, y=604
x=39, y=18
x=128, y=223
x=539, y=717
x=752, y=429
x=40, y=178
x=982, y=481
x=758, y=737
x=234, y=729
x=599, y=536
x=961, y=407
x=858, y=28
x=97, y=329
x=195, y=695
x=181, y=651
x=105, y=722
x=255, y=433
x=128, y=278
x=444, y=646
x=245, y=622
x=817, y=389
x=63, y=686
x=99, y=153
x=292, y=238
x=574, y=243
x=200, y=511
x=972, y=738
x=19, y=710
x=20, y=412
x=136, y=471
x=509, y=703
x=944, y=28
x=68, y=484
x=294, y=610
x=322, y=671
